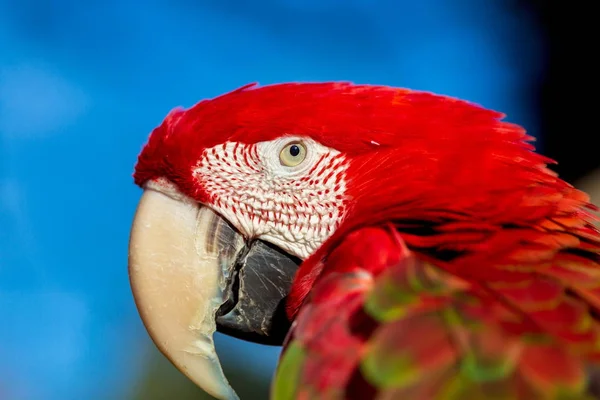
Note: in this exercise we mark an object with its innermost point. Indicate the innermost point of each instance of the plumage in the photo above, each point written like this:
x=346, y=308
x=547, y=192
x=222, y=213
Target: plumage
x=401, y=327
x=459, y=267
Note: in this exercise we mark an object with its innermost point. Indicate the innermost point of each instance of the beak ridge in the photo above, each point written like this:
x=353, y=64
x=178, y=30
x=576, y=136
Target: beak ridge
x=180, y=258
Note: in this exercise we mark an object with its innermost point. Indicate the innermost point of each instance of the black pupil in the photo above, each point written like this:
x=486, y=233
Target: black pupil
x=294, y=150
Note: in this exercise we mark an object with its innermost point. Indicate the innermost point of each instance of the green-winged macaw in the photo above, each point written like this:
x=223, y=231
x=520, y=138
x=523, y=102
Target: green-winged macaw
x=399, y=244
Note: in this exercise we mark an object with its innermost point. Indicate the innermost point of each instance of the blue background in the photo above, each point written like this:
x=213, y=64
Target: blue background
x=83, y=83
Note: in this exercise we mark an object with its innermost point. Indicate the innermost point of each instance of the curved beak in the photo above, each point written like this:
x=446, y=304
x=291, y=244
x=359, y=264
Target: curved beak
x=192, y=273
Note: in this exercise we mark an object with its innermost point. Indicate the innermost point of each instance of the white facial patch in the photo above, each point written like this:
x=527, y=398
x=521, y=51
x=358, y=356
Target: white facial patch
x=295, y=208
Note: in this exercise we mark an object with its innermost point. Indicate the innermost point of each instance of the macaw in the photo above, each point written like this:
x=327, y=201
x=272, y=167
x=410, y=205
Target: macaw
x=398, y=244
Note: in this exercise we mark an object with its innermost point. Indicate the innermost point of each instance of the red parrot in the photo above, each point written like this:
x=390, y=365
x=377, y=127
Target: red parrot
x=399, y=244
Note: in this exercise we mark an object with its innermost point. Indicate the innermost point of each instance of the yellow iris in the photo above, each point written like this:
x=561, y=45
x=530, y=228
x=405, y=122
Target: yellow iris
x=292, y=154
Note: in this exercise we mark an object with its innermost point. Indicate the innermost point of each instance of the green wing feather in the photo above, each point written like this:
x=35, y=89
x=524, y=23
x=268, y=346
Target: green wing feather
x=415, y=331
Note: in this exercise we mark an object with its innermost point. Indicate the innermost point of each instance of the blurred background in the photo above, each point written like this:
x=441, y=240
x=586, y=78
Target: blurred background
x=82, y=83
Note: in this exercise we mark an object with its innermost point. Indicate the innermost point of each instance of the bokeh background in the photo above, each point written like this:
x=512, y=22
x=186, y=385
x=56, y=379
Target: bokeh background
x=82, y=83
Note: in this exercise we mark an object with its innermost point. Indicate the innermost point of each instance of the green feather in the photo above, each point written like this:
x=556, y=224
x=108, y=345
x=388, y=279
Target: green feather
x=288, y=373
x=390, y=371
x=388, y=303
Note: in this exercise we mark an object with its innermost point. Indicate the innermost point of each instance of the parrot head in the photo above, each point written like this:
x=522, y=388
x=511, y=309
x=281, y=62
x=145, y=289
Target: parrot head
x=244, y=193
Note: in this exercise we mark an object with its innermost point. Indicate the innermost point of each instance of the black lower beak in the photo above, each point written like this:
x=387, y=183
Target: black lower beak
x=254, y=309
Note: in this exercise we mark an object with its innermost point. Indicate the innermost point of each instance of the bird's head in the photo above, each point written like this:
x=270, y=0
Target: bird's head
x=241, y=189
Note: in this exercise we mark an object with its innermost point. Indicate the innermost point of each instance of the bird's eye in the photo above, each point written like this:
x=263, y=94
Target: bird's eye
x=292, y=154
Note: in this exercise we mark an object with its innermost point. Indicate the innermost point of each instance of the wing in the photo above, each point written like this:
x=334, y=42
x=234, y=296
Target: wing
x=384, y=322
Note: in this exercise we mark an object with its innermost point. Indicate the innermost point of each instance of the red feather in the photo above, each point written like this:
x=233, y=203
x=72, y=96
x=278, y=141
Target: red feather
x=457, y=186
x=453, y=177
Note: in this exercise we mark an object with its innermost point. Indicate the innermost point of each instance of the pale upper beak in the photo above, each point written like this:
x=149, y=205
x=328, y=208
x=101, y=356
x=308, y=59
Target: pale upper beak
x=192, y=273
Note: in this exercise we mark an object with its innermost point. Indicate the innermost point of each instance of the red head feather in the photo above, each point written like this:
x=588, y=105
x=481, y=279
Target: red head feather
x=448, y=173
